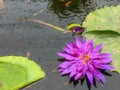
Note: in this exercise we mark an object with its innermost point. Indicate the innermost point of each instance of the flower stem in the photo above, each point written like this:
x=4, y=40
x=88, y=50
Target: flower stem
x=47, y=24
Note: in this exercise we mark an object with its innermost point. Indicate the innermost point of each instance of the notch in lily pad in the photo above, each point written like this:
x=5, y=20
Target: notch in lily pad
x=16, y=72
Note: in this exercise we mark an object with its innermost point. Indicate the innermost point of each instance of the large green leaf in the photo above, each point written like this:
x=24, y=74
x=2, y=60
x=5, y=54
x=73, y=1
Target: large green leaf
x=17, y=72
x=111, y=41
x=107, y=18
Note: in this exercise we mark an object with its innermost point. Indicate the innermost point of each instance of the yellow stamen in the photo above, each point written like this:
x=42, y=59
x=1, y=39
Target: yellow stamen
x=85, y=58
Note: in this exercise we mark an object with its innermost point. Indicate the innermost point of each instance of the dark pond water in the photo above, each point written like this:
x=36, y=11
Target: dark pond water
x=18, y=37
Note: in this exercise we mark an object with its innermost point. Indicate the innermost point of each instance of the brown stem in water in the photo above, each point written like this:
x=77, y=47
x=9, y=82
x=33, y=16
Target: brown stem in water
x=47, y=24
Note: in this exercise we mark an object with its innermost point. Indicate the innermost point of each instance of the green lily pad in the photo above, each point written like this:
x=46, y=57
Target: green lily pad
x=2, y=86
x=17, y=72
x=107, y=18
x=111, y=41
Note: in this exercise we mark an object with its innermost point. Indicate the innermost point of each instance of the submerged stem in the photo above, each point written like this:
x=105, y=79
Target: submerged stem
x=47, y=24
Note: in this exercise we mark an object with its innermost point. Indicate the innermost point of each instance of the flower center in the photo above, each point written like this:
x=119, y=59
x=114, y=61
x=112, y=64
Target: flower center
x=85, y=58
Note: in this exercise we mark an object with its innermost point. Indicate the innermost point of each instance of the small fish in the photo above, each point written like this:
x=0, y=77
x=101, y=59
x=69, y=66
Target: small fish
x=67, y=4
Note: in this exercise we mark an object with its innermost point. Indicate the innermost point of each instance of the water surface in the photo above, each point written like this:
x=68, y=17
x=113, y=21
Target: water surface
x=18, y=37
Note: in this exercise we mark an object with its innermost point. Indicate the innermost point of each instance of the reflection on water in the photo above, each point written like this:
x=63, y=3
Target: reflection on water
x=74, y=7
x=76, y=10
x=66, y=8
x=58, y=12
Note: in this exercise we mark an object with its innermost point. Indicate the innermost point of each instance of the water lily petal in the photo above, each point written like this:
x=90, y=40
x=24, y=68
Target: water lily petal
x=65, y=64
x=90, y=77
x=78, y=43
x=70, y=45
x=84, y=69
x=66, y=71
x=99, y=77
x=67, y=50
x=66, y=56
x=91, y=68
x=89, y=46
x=104, y=55
x=106, y=67
x=102, y=61
x=77, y=76
x=98, y=48
x=84, y=40
x=73, y=73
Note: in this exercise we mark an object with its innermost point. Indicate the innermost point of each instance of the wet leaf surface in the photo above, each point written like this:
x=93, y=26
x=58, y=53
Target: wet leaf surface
x=103, y=25
x=111, y=41
x=107, y=18
x=17, y=72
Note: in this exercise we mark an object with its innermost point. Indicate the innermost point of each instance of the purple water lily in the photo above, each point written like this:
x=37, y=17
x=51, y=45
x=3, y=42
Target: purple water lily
x=83, y=59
